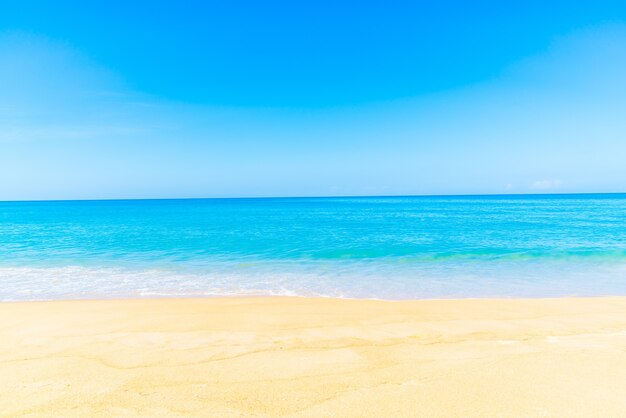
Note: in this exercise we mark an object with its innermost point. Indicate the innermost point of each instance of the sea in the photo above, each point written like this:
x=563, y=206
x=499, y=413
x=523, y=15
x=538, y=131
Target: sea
x=344, y=247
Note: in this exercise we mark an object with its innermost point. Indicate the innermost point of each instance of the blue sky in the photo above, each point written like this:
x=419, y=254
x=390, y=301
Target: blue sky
x=208, y=99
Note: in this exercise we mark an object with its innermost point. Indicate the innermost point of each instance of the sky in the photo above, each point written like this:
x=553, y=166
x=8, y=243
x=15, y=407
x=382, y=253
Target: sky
x=322, y=98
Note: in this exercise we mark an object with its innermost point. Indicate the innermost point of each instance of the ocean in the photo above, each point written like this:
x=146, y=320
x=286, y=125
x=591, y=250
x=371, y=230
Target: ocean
x=361, y=247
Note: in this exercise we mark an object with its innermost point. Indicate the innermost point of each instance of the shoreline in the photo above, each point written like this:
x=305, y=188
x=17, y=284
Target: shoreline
x=299, y=356
x=333, y=298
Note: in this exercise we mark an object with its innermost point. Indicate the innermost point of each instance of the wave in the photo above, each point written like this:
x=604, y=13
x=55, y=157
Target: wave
x=408, y=255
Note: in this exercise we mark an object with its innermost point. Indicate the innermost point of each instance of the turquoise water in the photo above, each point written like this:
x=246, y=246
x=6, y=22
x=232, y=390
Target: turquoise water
x=387, y=248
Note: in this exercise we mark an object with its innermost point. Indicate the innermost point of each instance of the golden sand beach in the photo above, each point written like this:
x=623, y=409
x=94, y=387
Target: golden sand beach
x=266, y=357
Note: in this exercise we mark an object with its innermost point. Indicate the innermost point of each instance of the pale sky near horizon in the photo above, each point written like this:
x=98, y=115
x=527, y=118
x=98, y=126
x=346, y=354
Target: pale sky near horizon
x=312, y=99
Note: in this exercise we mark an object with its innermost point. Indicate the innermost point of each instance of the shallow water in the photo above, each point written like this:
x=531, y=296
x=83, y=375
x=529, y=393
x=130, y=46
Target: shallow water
x=381, y=247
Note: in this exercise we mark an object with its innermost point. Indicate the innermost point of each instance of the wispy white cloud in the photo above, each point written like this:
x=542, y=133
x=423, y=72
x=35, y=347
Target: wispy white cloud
x=546, y=184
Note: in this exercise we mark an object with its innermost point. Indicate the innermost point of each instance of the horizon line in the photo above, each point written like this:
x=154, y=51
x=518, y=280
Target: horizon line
x=314, y=197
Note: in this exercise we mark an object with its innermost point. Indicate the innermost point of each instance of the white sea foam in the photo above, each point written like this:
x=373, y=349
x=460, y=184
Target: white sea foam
x=76, y=282
x=354, y=281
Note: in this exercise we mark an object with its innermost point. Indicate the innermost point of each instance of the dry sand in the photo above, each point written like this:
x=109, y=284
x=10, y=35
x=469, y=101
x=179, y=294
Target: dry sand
x=314, y=357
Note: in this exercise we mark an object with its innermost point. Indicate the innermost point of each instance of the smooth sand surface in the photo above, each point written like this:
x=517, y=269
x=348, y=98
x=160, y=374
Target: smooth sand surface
x=314, y=358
